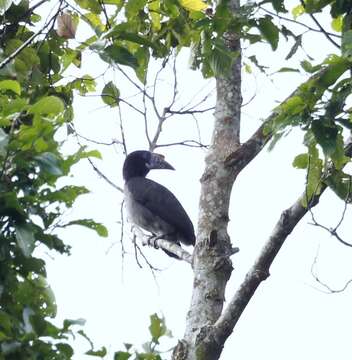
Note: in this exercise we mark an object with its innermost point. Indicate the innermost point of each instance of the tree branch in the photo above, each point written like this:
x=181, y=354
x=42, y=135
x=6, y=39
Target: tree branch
x=244, y=154
x=260, y=269
x=163, y=244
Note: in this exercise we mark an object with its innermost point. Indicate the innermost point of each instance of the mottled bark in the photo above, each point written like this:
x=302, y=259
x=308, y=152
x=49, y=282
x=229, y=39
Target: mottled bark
x=211, y=260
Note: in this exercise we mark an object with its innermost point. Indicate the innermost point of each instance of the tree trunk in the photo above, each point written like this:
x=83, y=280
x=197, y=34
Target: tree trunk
x=211, y=262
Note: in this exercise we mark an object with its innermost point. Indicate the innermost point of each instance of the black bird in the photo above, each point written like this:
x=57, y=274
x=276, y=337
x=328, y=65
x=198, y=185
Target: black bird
x=152, y=206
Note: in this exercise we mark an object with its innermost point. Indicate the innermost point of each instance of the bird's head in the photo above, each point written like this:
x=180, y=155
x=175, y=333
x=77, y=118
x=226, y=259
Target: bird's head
x=140, y=162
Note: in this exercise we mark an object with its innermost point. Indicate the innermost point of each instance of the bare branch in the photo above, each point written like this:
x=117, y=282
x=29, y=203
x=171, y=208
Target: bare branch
x=190, y=143
x=345, y=206
x=118, y=188
x=102, y=5
x=112, y=142
x=164, y=244
x=333, y=232
x=183, y=112
x=122, y=132
x=328, y=289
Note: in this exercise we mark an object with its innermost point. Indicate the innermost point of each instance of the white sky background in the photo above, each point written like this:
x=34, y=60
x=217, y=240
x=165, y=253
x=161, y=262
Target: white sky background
x=287, y=317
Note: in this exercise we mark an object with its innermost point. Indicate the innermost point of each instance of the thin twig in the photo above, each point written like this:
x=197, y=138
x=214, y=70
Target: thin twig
x=327, y=35
x=104, y=176
x=296, y=22
x=122, y=132
x=108, y=25
x=189, y=111
x=345, y=206
x=320, y=282
x=189, y=143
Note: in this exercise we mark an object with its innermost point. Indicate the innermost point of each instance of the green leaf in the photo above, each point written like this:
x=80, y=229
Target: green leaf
x=142, y=56
x=247, y=68
x=95, y=22
x=47, y=105
x=122, y=355
x=12, y=85
x=110, y=94
x=40, y=145
x=338, y=155
x=336, y=24
x=25, y=238
x=91, y=5
x=279, y=5
x=112, y=2
x=269, y=31
x=49, y=163
x=65, y=349
x=99, y=353
x=333, y=72
x=91, y=153
x=295, y=47
x=346, y=43
x=91, y=224
x=84, y=84
x=301, y=161
x=6, y=321
x=221, y=59
x=287, y=69
x=157, y=327
x=67, y=194
x=193, y=5
x=292, y=106
x=297, y=11
x=338, y=7
x=121, y=55
x=325, y=134
x=5, y=4
x=341, y=184
x=133, y=7
x=118, y=33
x=314, y=173
x=154, y=9
x=308, y=67
x=69, y=322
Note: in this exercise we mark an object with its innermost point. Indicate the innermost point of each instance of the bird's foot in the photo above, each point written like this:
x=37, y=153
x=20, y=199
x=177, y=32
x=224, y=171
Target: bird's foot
x=151, y=241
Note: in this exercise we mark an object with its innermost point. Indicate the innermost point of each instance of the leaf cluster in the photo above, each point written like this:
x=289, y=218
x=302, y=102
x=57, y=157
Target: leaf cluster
x=157, y=330
x=34, y=106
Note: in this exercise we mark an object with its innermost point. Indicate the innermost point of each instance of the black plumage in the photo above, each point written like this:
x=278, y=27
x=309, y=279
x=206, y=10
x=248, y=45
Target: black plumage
x=152, y=206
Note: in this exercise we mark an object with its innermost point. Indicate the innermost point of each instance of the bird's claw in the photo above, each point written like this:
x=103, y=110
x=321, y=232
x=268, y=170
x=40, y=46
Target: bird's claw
x=151, y=241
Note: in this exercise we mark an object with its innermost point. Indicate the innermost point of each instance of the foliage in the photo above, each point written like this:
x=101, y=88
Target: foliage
x=157, y=330
x=34, y=107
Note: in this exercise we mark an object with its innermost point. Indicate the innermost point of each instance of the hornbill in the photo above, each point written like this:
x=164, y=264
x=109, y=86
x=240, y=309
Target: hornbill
x=152, y=206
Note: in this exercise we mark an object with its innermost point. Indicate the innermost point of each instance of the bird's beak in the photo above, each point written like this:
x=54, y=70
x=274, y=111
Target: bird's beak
x=157, y=162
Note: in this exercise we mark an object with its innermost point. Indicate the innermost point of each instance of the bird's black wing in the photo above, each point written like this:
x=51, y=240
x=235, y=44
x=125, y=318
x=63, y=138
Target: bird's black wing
x=162, y=203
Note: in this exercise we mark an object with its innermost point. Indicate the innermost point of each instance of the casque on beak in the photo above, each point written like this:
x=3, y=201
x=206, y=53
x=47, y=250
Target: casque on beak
x=157, y=162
